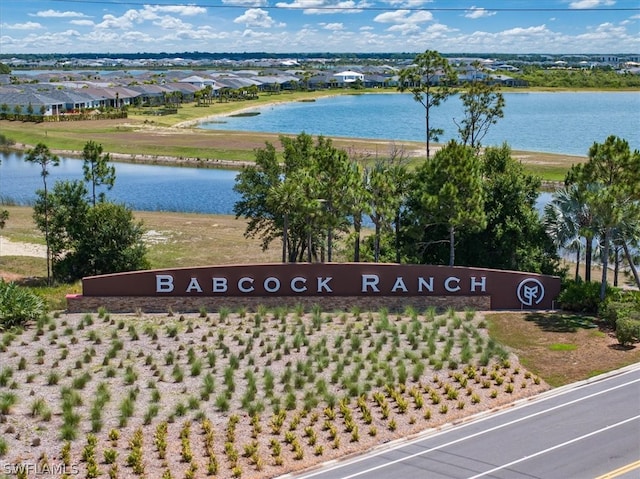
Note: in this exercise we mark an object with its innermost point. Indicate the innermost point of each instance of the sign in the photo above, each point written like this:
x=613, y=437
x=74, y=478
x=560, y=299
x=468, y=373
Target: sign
x=507, y=289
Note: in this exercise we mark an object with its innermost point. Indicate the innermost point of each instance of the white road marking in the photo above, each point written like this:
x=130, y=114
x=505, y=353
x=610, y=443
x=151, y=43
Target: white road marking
x=462, y=439
x=553, y=448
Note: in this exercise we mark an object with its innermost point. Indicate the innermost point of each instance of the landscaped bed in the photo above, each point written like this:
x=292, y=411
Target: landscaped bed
x=241, y=394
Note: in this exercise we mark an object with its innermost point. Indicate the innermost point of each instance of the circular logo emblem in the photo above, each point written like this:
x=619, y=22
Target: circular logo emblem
x=530, y=292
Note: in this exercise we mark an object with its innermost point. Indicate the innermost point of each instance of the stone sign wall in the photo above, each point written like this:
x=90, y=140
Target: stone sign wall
x=332, y=285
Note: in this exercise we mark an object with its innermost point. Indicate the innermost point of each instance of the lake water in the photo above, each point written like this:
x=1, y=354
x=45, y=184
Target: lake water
x=141, y=187
x=167, y=188
x=567, y=123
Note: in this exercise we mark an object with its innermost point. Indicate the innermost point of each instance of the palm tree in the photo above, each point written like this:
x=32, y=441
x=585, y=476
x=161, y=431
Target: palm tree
x=561, y=223
x=626, y=235
x=567, y=219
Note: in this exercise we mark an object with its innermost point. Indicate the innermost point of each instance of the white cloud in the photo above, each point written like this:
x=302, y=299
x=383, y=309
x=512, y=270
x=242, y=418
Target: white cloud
x=57, y=14
x=478, y=12
x=404, y=28
x=109, y=22
x=183, y=10
x=404, y=16
x=529, y=31
x=333, y=26
x=22, y=26
x=172, y=23
x=580, y=4
x=322, y=7
x=82, y=23
x=408, y=3
x=246, y=3
x=256, y=17
x=392, y=17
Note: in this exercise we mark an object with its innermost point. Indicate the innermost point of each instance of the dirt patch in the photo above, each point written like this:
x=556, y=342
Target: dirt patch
x=18, y=248
x=561, y=348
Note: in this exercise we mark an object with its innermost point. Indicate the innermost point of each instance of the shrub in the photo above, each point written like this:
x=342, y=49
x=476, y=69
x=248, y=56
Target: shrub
x=581, y=296
x=18, y=305
x=628, y=328
x=611, y=311
x=622, y=312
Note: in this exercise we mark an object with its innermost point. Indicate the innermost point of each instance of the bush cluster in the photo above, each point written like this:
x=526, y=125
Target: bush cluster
x=623, y=314
x=580, y=296
x=18, y=305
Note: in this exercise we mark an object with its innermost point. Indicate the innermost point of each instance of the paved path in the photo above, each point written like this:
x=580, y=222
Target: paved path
x=583, y=431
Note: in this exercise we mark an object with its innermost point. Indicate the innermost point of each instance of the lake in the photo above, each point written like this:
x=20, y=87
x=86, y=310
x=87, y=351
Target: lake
x=168, y=188
x=567, y=123
x=141, y=187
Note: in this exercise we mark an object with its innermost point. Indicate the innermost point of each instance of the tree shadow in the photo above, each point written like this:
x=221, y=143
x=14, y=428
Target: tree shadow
x=561, y=322
x=31, y=281
x=622, y=347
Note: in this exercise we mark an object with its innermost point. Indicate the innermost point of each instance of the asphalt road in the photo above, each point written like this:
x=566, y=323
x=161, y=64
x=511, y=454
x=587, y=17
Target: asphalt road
x=584, y=431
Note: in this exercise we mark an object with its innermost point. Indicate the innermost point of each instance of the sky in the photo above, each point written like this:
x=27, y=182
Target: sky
x=310, y=26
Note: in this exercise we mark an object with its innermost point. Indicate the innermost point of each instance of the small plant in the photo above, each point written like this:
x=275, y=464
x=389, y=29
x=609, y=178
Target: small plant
x=134, y=459
x=65, y=454
x=38, y=407
x=152, y=412
x=196, y=367
x=114, y=435
x=7, y=401
x=127, y=407
x=53, y=378
x=222, y=402
x=130, y=375
x=110, y=456
x=392, y=425
x=160, y=439
x=177, y=373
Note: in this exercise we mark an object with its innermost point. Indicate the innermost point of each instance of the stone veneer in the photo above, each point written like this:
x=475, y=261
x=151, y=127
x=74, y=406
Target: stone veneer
x=129, y=304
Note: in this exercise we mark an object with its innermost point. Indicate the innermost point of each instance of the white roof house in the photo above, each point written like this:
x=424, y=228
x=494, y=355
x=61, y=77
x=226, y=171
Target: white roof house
x=349, y=76
x=198, y=81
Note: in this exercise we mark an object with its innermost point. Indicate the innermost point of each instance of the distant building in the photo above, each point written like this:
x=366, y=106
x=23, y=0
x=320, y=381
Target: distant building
x=347, y=77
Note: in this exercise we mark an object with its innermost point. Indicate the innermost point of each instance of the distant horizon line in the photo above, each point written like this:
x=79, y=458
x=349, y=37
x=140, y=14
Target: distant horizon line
x=306, y=54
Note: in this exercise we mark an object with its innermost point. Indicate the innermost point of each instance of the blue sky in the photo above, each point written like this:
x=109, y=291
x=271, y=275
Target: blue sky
x=280, y=26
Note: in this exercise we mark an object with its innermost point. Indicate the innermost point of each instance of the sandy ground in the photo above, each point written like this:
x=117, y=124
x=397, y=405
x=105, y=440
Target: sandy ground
x=15, y=248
